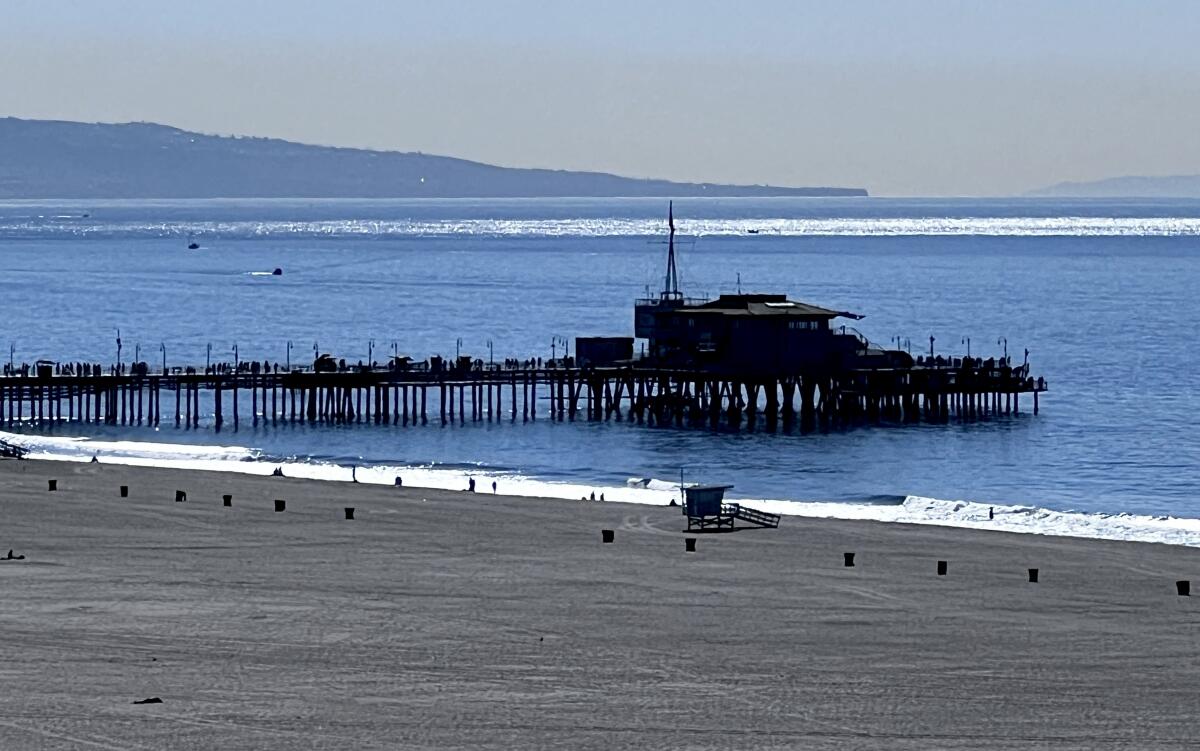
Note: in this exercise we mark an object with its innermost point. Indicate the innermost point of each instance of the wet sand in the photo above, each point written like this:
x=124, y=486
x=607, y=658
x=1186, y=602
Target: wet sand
x=451, y=620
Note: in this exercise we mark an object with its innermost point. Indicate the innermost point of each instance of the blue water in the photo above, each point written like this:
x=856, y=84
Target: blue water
x=1102, y=293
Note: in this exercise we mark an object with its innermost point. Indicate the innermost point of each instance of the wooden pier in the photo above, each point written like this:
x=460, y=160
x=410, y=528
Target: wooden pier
x=966, y=389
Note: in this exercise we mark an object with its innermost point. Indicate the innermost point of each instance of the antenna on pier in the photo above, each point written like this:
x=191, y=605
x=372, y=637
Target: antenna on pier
x=739, y=282
x=671, y=283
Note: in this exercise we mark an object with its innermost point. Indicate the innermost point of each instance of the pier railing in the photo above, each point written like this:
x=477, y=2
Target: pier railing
x=454, y=394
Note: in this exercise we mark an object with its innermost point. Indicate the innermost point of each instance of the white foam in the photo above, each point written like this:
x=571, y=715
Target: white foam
x=655, y=492
x=1007, y=518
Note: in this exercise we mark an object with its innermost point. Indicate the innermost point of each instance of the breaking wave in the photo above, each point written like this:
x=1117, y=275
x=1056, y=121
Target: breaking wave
x=883, y=508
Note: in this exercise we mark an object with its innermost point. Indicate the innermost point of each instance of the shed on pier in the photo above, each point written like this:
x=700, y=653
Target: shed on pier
x=602, y=351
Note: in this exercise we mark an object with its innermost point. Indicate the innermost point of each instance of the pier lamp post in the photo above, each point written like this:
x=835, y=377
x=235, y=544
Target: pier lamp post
x=490, y=361
x=137, y=352
x=288, y=364
x=118, y=350
x=967, y=341
x=208, y=357
x=236, y=362
x=931, y=341
x=555, y=340
x=1004, y=339
x=371, y=353
x=162, y=347
x=457, y=349
x=1026, y=356
x=316, y=352
x=12, y=350
x=395, y=349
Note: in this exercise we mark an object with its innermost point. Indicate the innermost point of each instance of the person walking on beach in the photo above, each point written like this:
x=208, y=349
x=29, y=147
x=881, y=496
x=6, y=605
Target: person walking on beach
x=493, y=487
x=470, y=484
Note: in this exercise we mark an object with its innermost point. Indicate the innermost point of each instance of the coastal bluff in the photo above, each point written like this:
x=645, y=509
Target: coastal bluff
x=62, y=159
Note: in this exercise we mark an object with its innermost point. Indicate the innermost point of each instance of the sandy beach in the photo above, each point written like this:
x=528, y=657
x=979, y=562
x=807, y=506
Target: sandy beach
x=452, y=620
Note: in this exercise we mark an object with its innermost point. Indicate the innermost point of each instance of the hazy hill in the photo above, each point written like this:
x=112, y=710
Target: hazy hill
x=58, y=159
x=1175, y=186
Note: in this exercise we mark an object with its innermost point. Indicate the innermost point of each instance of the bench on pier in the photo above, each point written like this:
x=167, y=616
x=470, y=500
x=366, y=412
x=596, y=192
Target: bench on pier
x=706, y=511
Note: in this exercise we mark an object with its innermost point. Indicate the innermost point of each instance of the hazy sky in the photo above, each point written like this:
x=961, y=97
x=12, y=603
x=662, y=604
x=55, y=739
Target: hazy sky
x=903, y=98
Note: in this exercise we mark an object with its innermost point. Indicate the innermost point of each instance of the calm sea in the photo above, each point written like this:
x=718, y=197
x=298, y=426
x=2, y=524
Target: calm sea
x=1102, y=293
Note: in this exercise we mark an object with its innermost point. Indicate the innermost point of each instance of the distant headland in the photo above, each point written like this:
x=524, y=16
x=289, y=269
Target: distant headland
x=1172, y=186
x=61, y=159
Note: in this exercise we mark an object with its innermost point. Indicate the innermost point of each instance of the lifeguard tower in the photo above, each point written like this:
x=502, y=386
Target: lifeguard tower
x=706, y=511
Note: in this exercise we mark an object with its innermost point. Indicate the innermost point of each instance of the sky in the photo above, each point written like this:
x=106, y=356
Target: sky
x=900, y=97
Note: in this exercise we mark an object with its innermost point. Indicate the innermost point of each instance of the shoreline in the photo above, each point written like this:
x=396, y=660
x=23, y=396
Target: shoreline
x=910, y=509
x=450, y=619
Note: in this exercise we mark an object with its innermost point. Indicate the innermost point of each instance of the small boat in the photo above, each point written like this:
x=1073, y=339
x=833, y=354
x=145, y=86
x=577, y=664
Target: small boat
x=277, y=272
x=752, y=232
x=193, y=245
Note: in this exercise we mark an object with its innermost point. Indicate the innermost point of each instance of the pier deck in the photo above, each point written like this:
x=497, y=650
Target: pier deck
x=964, y=390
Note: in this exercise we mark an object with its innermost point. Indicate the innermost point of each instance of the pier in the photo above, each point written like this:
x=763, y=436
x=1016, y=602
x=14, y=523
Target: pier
x=742, y=361
x=935, y=391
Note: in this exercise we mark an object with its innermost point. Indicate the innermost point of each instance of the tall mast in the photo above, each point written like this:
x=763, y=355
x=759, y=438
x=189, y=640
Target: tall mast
x=671, y=286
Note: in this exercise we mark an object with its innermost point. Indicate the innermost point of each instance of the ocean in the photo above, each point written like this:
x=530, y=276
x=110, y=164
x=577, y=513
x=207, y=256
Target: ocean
x=1100, y=292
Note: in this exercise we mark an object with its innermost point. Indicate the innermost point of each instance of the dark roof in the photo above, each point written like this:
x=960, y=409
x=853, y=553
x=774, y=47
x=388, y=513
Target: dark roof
x=741, y=301
x=762, y=305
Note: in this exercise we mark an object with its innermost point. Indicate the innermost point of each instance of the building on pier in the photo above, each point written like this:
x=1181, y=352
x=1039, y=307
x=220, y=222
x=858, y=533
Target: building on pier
x=750, y=334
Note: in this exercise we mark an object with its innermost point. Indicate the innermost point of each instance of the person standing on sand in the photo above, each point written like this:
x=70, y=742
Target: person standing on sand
x=470, y=484
x=493, y=487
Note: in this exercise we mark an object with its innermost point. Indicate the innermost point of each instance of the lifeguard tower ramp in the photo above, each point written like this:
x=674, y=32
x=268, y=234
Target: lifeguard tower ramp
x=706, y=511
